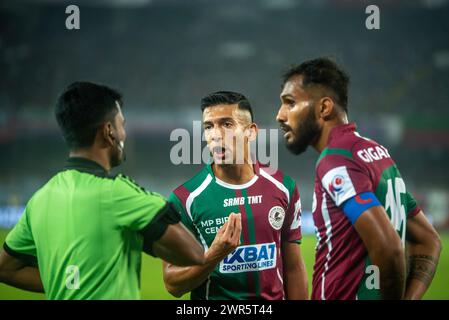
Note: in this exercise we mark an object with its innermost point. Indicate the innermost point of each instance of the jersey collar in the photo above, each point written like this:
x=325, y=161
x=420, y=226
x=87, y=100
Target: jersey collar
x=256, y=168
x=87, y=166
x=340, y=130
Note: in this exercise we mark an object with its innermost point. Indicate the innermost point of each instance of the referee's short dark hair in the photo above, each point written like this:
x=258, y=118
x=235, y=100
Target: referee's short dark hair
x=82, y=108
x=227, y=97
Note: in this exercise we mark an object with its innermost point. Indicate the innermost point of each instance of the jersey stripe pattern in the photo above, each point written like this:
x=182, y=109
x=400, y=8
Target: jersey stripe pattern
x=348, y=167
x=271, y=213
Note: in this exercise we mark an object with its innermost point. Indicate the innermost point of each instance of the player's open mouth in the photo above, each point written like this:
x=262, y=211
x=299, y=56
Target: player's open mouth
x=219, y=152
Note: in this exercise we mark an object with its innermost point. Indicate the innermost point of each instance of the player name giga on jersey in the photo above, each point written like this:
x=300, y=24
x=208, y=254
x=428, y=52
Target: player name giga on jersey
x=271, y=213
x=353, y=172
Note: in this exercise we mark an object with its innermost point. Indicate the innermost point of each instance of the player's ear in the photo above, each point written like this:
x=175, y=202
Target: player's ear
x=251, y=131
x=326, y=108
x=108, y=133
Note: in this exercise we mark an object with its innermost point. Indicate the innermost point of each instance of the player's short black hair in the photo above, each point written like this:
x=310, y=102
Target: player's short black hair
x=227, y=97
x=82, y=108
x=325, y=72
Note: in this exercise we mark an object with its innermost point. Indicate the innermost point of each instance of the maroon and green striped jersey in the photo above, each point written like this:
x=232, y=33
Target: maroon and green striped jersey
x=349, y=166
x=271, y=214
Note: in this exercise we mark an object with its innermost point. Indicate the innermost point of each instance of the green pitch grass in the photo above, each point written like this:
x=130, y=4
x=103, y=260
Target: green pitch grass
x=153, y=286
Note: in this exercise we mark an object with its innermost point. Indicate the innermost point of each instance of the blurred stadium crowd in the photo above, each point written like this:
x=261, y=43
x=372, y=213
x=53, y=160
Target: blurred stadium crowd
x=164, y=55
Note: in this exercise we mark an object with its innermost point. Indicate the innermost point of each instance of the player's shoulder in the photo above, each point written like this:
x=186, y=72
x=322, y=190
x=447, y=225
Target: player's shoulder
x=183, y=190
x=277, y=176
x=343, y=151
x=368, y=151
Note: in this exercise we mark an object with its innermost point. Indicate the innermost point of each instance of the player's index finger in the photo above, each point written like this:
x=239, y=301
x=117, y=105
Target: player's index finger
x=223, y=228
x=238, y=226
x=237, y=223
x=231, y=225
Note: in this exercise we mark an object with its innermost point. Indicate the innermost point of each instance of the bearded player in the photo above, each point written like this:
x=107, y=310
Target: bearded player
x=368, y=224
x=253, y=254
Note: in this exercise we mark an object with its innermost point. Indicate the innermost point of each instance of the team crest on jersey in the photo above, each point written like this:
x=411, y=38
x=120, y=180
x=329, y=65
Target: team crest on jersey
x=276, y=217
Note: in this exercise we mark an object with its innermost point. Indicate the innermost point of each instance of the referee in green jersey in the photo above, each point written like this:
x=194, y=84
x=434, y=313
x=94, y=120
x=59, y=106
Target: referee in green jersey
x=82, y=234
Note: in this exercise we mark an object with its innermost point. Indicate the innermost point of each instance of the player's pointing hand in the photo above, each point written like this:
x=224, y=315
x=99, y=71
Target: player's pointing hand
x=227, y=239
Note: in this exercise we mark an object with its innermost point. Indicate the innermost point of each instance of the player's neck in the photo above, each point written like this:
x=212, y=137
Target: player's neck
x=321, y=143
x=234, y=173
x=99, y=157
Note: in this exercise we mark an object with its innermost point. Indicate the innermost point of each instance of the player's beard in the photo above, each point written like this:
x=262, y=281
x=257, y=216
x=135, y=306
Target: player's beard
x=305, y=134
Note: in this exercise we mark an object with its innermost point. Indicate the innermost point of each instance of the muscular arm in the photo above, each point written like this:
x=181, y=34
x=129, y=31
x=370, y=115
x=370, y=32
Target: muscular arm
x=423, y=251
x=16, y=273
x=295, y=275
x=178, y=245
x=180, y=280
x=385, y=250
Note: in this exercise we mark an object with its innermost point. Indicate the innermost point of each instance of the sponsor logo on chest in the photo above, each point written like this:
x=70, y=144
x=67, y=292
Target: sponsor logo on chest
x=248, y=258
x=211, y=226
x=240, y=201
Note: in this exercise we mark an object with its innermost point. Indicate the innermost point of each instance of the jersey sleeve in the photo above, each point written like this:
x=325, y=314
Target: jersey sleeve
x=179, y=207
x=142, y=211
x=412, y=206
x=343, y=178
x=349, y=185
x=20, y=242
x=133, y=206
x=291, y=229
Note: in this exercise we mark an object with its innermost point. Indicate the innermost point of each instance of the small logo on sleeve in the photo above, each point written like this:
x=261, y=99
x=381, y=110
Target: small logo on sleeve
x=337, y=184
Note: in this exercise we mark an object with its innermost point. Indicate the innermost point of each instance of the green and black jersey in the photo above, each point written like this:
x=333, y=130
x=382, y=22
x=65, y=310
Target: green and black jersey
x=86, y=231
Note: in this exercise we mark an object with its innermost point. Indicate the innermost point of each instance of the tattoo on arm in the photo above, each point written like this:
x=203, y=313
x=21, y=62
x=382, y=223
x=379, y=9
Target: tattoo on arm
x=421, y=267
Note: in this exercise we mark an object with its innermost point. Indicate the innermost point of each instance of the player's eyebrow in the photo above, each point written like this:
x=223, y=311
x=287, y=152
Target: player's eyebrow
x=286, y=96
x=219, y=120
